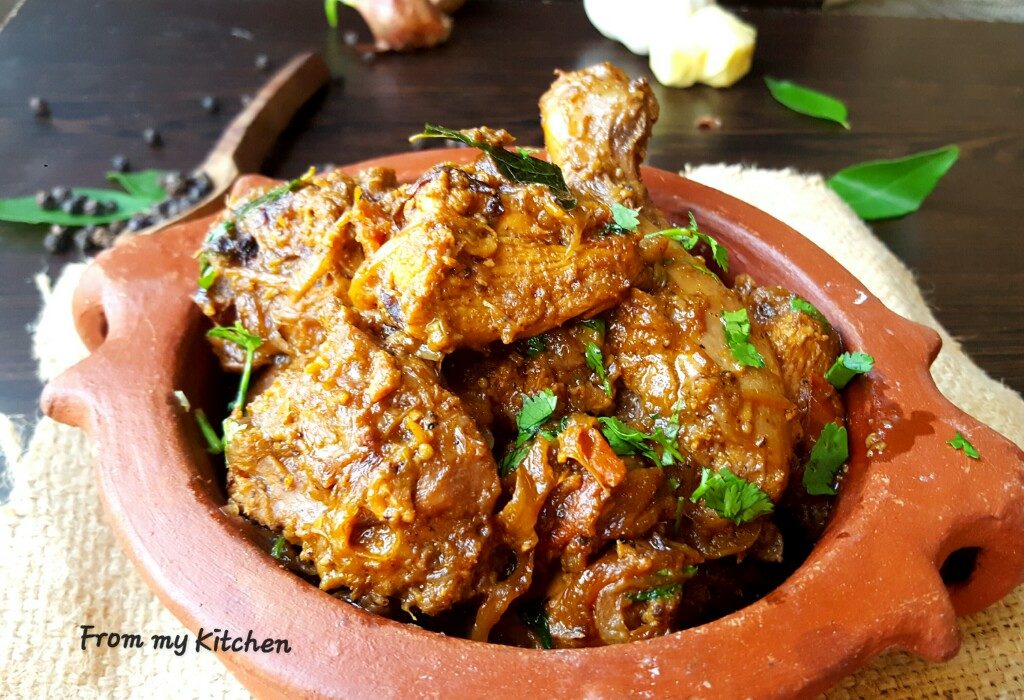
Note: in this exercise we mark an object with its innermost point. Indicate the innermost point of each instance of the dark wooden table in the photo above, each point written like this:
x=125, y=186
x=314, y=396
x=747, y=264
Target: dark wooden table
x=113, y=68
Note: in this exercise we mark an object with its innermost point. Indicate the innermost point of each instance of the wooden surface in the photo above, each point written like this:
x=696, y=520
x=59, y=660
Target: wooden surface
x=112, y=69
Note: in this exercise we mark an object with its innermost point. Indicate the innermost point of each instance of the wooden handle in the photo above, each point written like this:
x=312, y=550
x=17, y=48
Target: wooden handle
x=247, y=140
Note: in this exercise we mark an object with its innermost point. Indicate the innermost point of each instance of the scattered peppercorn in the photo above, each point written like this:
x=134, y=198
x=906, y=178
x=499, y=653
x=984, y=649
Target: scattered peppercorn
x=245, y=100
x=262, y=62
x=120, y=163
x=350, y=38
x=83, y=239
x=101, y=237
x=152, y=138
x=73, y=205
x=58, y=239
x=39, y=107
x=60, y=194
x=210, y=104
x=46, y=200
x=91, y=207
x=173, y=183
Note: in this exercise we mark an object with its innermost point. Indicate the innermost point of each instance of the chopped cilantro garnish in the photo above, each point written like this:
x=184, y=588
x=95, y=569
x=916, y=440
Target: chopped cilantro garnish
x=214, y=445
x=207, y=274
x=732, y=497
x=649, y=594
x=247, y=341
x=802, y=305
x=279, y=548
x=595, y=361
x=595, y=324
x=537, y=620
x=625, y=440
x=959, y=442
x=847, y=366
x=827, y=457
x=536, y=410
x=624, y=220
x=536, y=345
x=737, y=336
x=690, y=236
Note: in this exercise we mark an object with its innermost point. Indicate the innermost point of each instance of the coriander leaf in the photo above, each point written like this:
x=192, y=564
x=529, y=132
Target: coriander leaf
x=595, y=324
x=207, y=273
x=649, y=594
x=537, y=620
x=829, y=453
x=689, y=238
x=807, y=101
x=624, y=439
x=536, y=345
x=959, y=442
x=536, y=410
x=280, y=547
x=214, y=445
x=737, y=335
x=595, y=361
x=331, y=12
x=732, y=497
x=883, y=189
x=144, y=184
x=247, y=341
x=525, y=152
x=802, y=305
x=847, y=366
x=666, y=434
x=25, y=210
x=519, y=168
x=624, y=220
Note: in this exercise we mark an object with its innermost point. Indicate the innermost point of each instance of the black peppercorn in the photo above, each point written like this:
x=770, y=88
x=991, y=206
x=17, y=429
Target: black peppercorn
x=60, y=194
x=152, y=138
x=91, y=207
x=101, y=237
x=83, y=239
x=116, y=227
x=73, y=205
x=173, y=183
x=39, y=107
x=262, y=62
x=210, y=104
x=58, y=239
x=120, y=163
x=46, y=200
x=109, y=207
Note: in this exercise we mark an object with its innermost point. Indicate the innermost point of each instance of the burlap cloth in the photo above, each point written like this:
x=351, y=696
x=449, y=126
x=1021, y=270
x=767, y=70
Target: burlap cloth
x=64, y=568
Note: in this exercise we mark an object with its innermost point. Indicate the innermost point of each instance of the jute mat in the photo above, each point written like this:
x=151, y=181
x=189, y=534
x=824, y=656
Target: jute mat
x=63, y=567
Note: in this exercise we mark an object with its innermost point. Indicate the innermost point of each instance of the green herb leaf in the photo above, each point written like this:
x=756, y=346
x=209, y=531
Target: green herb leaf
x=959, y=442
x=692, y=235
x=649, y=594
x=882, y=189
x=247, y=341
x=847, y=366
x=829, y=453
x=595, y=361
x=280, y=547
x=537, y=620
x=737, y=336
x=731, y=497
x=207, y=273
x=214, y=445
x=331, y=12
x=807, y=101
x=518, y=167
x=25, y=210
x=144, y=184
x=800, y=304
x=624, y=220
x=536, y=411
x=626, y=440
x=595, y=324
x=666, y=434
x=536, y=345
x=229, y=224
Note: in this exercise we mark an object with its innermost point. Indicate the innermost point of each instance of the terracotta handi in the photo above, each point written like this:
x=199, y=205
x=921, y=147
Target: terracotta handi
x=873, y=582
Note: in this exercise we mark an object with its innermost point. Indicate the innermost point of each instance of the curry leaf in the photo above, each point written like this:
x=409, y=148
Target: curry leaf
x=144, y=184
x=828, y=455
x=807, y=101
x=883, y=189
x=519, y=167
x=25, y=210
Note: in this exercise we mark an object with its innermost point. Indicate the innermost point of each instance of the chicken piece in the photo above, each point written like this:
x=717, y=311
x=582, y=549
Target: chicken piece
x=630, y=593
x=493, y=386
x=480, y=260
x=283, y=265
x=804, y=345
x=360, y=457
x=672, y=355
x=596, y=127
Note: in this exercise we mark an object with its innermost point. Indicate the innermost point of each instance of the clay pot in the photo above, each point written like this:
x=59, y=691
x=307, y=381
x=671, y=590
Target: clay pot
x=872, y=583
